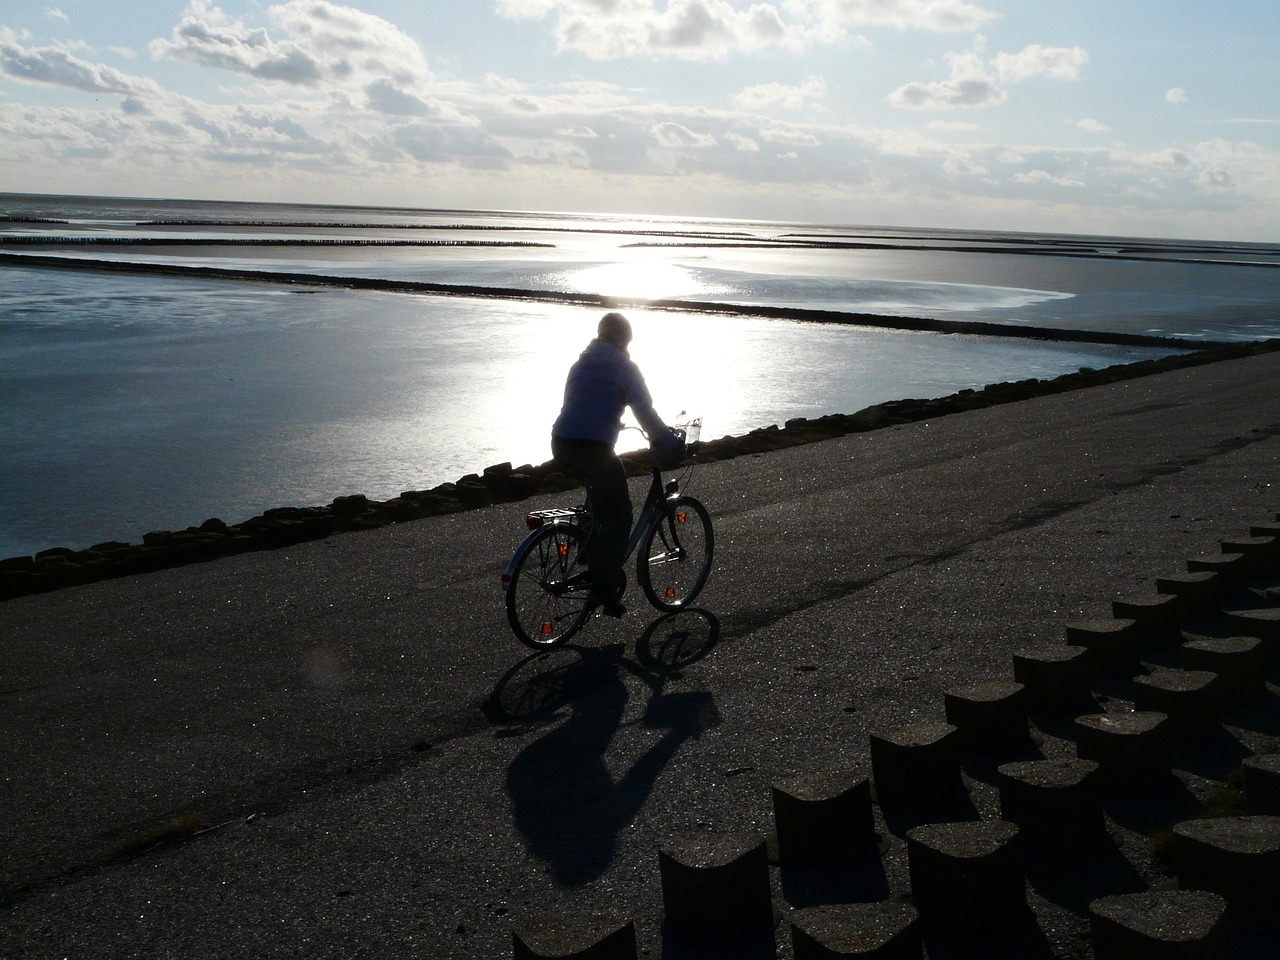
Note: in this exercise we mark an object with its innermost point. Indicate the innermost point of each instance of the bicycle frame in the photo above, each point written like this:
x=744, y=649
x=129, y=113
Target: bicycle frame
x=650, y=514
x=548, y=577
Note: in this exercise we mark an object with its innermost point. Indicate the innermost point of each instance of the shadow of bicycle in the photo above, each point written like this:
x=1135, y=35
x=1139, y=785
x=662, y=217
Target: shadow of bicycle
x=576, y=787
x=540, y=685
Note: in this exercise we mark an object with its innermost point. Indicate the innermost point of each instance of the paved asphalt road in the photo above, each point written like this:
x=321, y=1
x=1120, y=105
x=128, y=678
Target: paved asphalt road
x=387, y=773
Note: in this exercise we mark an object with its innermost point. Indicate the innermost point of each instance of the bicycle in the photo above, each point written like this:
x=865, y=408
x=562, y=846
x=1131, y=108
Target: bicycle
x=547, y=583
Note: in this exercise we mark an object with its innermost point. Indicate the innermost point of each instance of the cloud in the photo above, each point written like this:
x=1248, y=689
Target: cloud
x=970, y=86
x=684, y=29
x=798, y=138
x=1176, y=95
x=716, y=29
x=56, y=66
x=1216, y=181
x=940, y=16
x=1089, y=125
x=1043, y=176
x=742, y=144
x=769, y=96
x=53, y=13
x=329, y=43
x=960, y=166
x=974, y=83
x=1063, y=63
x=676, y=135
x=385, y=98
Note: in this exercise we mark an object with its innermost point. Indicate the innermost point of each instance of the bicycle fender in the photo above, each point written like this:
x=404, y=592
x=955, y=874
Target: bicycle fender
x=522, y=546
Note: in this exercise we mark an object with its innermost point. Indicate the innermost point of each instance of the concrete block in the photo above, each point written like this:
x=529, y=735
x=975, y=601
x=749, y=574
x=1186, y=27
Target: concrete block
x=1132, y=749
x=989, y=716
x=1056, y=678
x=1239, y=662
x=1263, y=624
x=1232, y=567
x=715, y=891
x=1158, y=617
x=823, y=819
x=1266, y=530
x=1262, y=784
x=574, y=937
x=1161, y=925
x=967, y=876
x=1188, y=698
x=1200, y=593
x=1237, y=858
x=1057, y=804
x=1260, y=553
x=1112, y=644
x=915, y=762
x=868, y=931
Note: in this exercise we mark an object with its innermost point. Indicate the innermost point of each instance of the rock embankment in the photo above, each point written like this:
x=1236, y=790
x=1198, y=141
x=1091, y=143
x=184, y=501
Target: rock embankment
x=504, y=483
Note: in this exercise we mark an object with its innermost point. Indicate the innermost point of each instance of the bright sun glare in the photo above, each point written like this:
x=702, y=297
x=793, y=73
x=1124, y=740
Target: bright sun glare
x=651, y=280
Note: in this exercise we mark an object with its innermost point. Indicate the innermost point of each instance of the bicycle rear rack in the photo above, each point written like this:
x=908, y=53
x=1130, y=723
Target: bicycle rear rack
x=539, y=518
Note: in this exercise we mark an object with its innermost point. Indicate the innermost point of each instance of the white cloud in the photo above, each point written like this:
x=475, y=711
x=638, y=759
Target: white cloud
x=676, y=135
x=769, y=96
x=1216, y=181
x=1089, y=125
x=742, y=144
x=330, y=43
x=716, y=29
x=974, y=83
x=1043, y=176
x=932, y=15
x=798, y=138
x=57, y=66
x=970, y=86
x=1176, y=95
x=1063, y=63
x=53, y=13
x=684, y=29
x=961, y=166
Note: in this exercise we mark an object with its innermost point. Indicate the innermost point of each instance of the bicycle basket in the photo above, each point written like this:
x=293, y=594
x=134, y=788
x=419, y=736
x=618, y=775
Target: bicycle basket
x=692, y=427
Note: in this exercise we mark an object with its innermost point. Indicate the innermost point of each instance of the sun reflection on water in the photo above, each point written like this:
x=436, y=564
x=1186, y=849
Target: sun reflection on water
x=640, y=278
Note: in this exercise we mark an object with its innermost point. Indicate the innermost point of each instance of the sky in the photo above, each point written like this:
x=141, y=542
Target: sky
x=1127, y=117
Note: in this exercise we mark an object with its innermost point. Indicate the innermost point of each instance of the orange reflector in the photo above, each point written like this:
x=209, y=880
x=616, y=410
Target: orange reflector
x=546, y=628
x=682, y=517
x=671, y=593
x=563, y=549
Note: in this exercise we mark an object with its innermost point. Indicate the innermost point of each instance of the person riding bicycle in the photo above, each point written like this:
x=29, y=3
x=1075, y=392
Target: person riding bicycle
x=601, y=383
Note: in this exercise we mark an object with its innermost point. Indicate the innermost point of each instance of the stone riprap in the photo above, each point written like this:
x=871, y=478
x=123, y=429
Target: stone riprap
x=59, y=567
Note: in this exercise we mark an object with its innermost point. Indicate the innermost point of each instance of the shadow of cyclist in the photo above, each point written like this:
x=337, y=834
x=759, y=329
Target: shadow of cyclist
x=569, y=803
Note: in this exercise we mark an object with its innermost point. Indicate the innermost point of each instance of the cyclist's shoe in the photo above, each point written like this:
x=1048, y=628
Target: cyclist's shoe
x=609, y=602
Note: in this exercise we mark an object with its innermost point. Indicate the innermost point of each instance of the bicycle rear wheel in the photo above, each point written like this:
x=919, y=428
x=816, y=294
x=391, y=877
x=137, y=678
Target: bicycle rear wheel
x=675, y=555
x=548, y=591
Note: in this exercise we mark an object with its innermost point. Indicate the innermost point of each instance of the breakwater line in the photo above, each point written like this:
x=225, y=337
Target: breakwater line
x=808, y=315
x=60, y=567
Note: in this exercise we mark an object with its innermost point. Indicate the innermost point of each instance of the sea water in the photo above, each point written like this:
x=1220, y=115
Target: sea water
x=135, y=402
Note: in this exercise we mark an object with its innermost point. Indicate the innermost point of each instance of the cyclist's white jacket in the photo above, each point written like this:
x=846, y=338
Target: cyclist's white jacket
x=601, y=384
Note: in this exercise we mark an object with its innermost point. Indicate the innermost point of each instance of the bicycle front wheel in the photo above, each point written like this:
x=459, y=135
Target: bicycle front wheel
x=675, y=555
x=548, y=591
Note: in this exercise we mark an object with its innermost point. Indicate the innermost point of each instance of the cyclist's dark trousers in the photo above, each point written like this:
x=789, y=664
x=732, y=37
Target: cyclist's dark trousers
x=598, y=466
